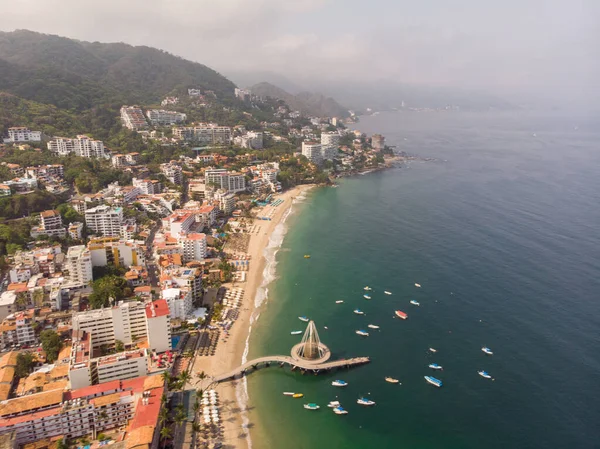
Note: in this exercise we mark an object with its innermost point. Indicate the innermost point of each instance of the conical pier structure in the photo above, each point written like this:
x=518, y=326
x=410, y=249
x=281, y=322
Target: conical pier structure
x=311, y=348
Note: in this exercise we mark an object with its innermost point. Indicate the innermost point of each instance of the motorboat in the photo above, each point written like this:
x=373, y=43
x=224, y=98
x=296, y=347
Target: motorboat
x=298, y=395
x=303, y=318
x=311, y=406
x=288, y=393
x=392, y=380
x=296, y=332
x=373, y=326
x=401, y=314
x=487, y=350
x=340, y=301
x=307, y=256
x=484, y=374
x=340, y=411
x=333, y=404
x=339, y=383
x=433, y=381
x=432, y=350
x=367, y=289
x=435, y=366
x=362, y=333
x=365, y=401
x=414, y=303
x=359, y=312
x=366, y=297
x=387, y=293
x=417, y=285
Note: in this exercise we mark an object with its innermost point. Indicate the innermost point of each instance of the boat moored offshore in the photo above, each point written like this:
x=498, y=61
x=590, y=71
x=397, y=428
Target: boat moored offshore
x=401, y=314
x=339, y=301
x=432, y=350
x=484, y=374
x=417, y=285
x=303, y=318
x=296, y=332
x=333, y=404
x=487, y=350
x=359, y=312
x=340, y=411
x=297, y=395
x=433, y=381
x=339, y=383
x=373, y=326
x=414, y=303
x=366, y=297
x=387, y=293
x=288, y=393
x=362, y=333
x=365, y=401
x=391, y=380
x=367, y=289
x=311, y=406
x=435, y=366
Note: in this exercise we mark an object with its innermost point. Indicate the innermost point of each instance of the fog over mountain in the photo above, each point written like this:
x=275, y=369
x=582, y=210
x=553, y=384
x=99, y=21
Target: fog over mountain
x=548, y=48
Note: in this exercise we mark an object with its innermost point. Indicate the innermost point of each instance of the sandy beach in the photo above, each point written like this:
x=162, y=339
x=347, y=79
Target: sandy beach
x=231, y=349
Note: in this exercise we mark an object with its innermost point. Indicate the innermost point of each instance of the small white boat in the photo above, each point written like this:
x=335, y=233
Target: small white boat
x=340, y=411
x=365, y=401
x=432, y=350
x=339, y=383
x=333, y=404
x=366, y=297
x=362, y=333
x=435, y=366
x=417, y=285
x=391, y=380
x=303, y=318
x=325, y=327
x=373, y=326
x=387, y=293
x=433, y=381
x=340, y=301
x=487, y=350
x=288, y=393
x=414, y=303
x=359, y=312
x=367, y=288
x=311, y=406
x=296, y=332
x=484, y=374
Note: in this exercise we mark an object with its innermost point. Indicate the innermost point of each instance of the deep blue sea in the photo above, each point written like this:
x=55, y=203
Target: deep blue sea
x=502, y=232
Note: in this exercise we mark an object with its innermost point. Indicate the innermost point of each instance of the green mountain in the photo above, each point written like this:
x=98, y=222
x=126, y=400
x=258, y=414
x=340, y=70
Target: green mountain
x=78, y=75
x=306, y=102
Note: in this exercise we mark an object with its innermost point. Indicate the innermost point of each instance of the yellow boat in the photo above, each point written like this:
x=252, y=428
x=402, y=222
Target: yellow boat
x=307, y=256
x=298, y=395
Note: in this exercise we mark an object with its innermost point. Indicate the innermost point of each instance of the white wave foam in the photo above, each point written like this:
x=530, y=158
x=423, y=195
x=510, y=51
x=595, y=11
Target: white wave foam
x=262, y=295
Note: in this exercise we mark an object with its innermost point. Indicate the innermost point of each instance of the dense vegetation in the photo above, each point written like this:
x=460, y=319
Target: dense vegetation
x=78, y=75
x=51, y=343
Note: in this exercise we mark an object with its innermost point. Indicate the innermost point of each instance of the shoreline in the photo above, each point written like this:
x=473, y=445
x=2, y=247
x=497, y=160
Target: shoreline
x=232, y=350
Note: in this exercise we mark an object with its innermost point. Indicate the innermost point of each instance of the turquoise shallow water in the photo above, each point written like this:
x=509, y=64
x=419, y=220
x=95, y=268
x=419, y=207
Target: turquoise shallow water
x=501, y=232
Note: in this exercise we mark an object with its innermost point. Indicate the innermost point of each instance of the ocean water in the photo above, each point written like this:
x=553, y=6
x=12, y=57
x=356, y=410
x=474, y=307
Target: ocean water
x=501, y=231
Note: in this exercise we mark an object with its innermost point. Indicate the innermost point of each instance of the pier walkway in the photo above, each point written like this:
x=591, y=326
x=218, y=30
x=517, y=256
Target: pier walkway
x=293, y=362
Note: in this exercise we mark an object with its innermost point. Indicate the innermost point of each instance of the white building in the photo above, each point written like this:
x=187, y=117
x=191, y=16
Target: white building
x=252, y=139
x=204, y=133
x=226, y=201
x=80, y=146
x=7, y=304
x=194, y=247
x=226, y=180
x=147, y=186
x=127, y=322
x=179, y=222
x=172, y=172
x=22, y=134
x=313, y=152
x=179, y=300
x=78, y=264
x=50, y=225
x=75, y=230
x=122, y=253
x=330, y=143
x=160, y=117
x=133, y=118
x=105, y=220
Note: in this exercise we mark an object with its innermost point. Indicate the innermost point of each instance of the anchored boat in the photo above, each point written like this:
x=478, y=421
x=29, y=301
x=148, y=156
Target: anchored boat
x=340, y=411
x=288, y=393
x=373, y=326
x=339, y=383
x=303, y=318
x=435, y=366
x=391, y=380
x=359, y=312
x=414, y=303
x=333, y=404
x=487, y=350
x=311, y=406
x=433, y=381
x=367, y=288
x=433, y=350
x=484, y=374
x=298, y=395
x=401, y=314
x=417, y=285
x=365, y=401
x=296, y=332
x=340, y=301
x=362, y=333
x=387, y=293
x=366, y=297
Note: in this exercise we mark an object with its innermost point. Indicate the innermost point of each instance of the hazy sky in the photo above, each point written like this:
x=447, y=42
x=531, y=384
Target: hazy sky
x=470, y=43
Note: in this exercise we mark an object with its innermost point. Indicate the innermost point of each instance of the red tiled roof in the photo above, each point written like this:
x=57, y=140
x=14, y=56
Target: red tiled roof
x=94, y=390
x=147, y=415
x=161, y=308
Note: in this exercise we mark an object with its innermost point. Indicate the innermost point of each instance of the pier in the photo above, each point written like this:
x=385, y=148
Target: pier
x=310, y=355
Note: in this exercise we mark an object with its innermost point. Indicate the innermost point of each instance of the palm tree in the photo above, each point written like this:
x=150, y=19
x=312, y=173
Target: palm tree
x=196, y=406
x=184, y=378
x=196, y=427
x=166, y=376
x=163, y=414
x=199, y=393
x=180, y=417
x=201, y=376
x=163, y=399
x=165, y=433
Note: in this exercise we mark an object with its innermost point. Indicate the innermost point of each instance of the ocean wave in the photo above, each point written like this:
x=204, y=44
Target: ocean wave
x=262, y=295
